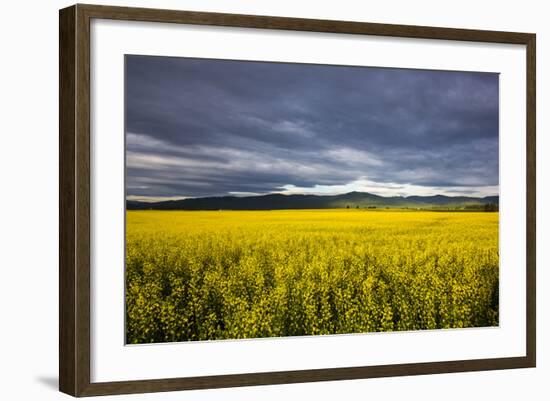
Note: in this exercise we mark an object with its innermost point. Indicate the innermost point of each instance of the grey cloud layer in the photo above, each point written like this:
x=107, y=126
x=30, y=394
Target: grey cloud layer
x=198, y=127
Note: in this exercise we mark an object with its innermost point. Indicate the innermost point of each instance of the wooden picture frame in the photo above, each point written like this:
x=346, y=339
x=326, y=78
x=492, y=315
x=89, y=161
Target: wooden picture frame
x=74, y=203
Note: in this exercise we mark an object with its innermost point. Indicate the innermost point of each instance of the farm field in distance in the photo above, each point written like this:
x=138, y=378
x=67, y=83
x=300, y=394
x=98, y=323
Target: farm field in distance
x=211, y=275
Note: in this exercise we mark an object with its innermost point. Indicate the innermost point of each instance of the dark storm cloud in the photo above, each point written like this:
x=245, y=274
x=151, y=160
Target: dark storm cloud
x=199, y=127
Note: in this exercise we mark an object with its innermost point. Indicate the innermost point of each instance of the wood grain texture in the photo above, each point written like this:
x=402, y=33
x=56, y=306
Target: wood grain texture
x=301, y=376
x=67, y=130
x=82, y=194
x=301, y=24
x=531, y=290
x=74, y=199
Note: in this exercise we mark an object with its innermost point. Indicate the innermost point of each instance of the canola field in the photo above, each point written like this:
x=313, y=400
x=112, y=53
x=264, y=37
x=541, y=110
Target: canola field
x=212, y=275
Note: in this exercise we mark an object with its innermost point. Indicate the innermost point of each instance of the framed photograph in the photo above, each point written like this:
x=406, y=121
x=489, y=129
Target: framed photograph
x=250, y=200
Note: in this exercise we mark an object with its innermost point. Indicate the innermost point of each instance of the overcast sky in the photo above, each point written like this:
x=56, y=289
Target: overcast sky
x=201, y=127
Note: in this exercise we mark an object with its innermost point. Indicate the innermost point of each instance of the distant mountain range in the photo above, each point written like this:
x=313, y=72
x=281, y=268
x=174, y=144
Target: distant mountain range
x=348, y=200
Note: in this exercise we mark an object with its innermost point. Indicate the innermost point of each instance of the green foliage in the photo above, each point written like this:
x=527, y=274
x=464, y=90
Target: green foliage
x=221, y=275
